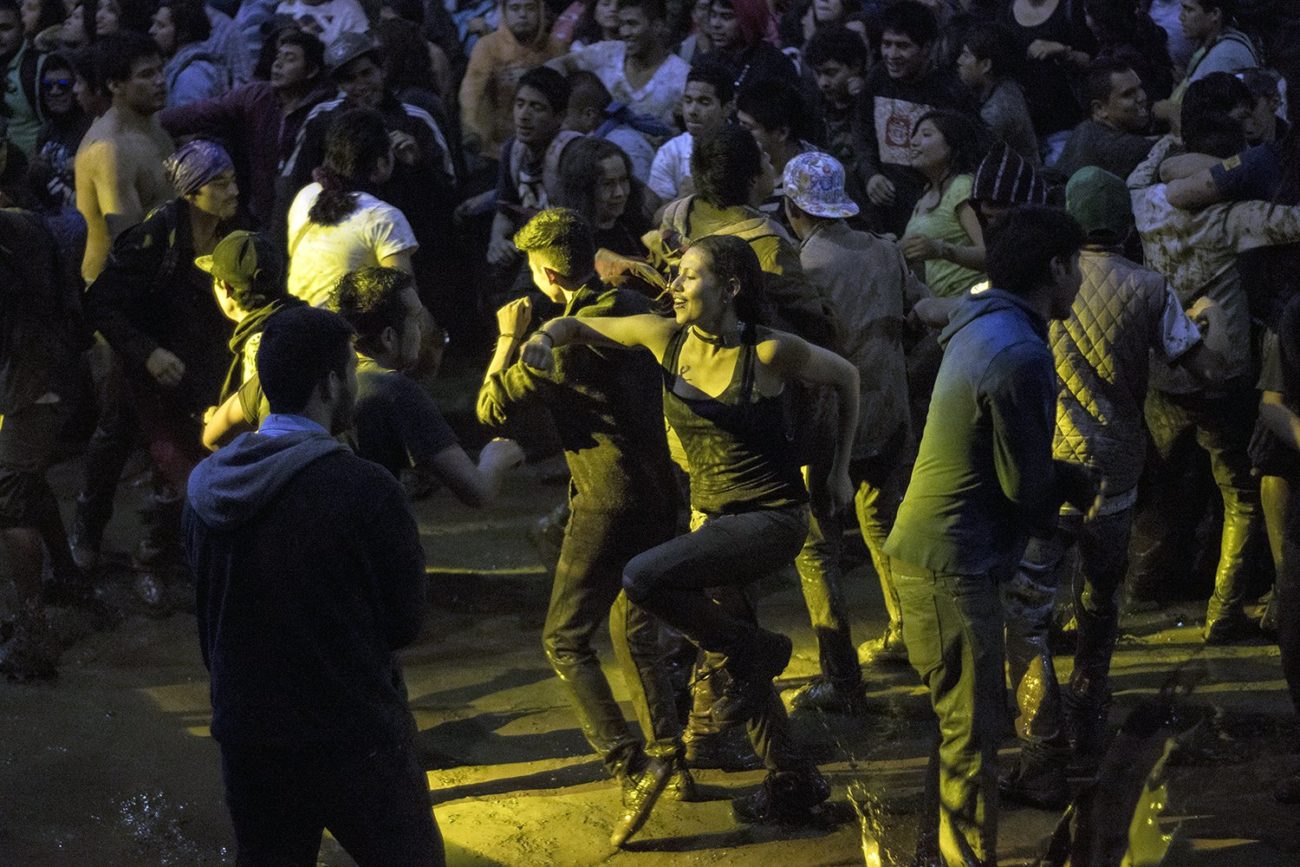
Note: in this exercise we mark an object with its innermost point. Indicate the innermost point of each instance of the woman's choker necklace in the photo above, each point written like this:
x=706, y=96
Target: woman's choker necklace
x=724, y=340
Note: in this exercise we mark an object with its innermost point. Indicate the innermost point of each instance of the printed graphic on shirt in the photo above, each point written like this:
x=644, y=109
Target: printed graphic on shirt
x=895, y=119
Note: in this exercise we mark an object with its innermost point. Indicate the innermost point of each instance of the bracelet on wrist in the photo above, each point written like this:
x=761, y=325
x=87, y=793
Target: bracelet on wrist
x=507, y=336
x=541, y=332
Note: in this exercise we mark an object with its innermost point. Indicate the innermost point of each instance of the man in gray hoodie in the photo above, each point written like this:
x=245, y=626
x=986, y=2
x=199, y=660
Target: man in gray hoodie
x=310, y=576
x=984, y=477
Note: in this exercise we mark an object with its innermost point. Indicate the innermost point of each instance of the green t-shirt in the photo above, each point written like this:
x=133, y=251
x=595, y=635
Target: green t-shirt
x=946, y=278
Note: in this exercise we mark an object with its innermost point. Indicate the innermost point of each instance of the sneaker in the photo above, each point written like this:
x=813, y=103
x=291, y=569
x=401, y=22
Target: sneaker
x=826, y=696
x=750, y=686
x=784, y=796
x=641, y=789
x=1038, y=779
x=888, y=649
x=31, y=653
x=727, y=750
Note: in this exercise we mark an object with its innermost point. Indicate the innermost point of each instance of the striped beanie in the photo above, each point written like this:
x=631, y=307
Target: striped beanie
x=1006, y=178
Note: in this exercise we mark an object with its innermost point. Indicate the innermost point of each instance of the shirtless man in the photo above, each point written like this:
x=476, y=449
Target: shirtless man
x=119, y=171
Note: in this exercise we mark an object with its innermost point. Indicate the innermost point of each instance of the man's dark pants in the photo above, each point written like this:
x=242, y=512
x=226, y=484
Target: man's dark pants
x=374, y=801
x=952, y=625
x=587, y=591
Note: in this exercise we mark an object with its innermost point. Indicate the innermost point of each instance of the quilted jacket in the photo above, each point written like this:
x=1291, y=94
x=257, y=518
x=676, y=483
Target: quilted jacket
x=1101, y=355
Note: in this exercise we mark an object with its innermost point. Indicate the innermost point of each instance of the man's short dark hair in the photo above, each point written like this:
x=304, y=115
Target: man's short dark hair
x=300, y=347
x=1214, y=133
x=1023, y=242
x=1207, y=104
x=991, y=41
x=773, y=104
x=564, y=240
x=586, y=90
x=313, y=50
x=1100, y=80
x=1227, y=7
x=724, y=166
x=117, y=54
x=836, y=43
x=371, y=300
x=716, y=75
x=914, y=20
x=551, y=84
x=655, y=10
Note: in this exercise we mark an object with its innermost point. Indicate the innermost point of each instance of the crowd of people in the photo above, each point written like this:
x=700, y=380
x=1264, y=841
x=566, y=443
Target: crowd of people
x=998, y=280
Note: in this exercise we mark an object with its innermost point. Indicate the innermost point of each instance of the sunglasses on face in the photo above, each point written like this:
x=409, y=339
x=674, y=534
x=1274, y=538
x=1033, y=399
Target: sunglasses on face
x=53, y=84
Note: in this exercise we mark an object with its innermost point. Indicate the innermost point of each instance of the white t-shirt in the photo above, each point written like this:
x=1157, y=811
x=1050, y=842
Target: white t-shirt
x=672, y=166
x=658, y=97
x=320, y=255
x=333, y=17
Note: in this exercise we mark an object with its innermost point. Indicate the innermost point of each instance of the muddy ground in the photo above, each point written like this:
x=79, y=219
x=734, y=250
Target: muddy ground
x=113, y=765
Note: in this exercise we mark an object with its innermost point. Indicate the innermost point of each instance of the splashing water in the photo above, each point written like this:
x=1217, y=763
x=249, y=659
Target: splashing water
x=869, y=811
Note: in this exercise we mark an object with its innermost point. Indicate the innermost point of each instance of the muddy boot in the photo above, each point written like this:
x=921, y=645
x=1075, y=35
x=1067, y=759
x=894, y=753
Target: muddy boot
x=681, y=784
x=888, y=649
x=725, y=750
x=784, y=796
x=1086, y=713
x=829, y=696
x=641, y=790
x=1225, y=619
x=1038, y=779
x=751, y=672
x=161, y=519
x=32, y=651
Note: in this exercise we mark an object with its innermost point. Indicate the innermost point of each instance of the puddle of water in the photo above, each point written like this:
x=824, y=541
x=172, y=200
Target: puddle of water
x=156, y=824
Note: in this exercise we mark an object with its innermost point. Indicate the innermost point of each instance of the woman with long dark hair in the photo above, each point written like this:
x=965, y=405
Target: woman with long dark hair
x=336, y=224
x=724, y=372
x=596, y=181
x=944, y=233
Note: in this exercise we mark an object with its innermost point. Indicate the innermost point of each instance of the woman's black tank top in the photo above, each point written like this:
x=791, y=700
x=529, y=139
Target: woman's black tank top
x=740, y=459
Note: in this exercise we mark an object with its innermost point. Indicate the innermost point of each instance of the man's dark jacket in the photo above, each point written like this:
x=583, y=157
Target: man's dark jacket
x=309, y=576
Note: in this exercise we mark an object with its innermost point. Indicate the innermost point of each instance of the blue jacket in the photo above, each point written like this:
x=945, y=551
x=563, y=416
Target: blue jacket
x=984, y=476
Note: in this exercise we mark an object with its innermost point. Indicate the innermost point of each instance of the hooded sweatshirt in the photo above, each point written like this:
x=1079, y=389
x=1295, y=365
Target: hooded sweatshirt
x=984, y=475
x=310, y=576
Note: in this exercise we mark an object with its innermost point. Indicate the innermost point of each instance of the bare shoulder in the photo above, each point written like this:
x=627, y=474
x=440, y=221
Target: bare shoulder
x=775, y=347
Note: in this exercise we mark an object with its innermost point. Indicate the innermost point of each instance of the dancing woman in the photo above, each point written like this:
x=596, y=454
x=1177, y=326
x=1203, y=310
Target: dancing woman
x=724, y=372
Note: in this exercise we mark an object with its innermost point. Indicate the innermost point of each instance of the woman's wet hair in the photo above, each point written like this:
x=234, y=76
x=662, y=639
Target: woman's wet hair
x=731, y=258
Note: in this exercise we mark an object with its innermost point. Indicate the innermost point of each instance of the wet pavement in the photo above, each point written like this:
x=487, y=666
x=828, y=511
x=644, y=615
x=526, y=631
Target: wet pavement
x=113, y=764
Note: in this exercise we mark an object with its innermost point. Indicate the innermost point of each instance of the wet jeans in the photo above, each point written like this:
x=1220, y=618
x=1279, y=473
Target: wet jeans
x=820, y=576
x=952, y=625
x=1222, y=427
x=586, y=592
x=1028, y=600
x=725, y=552
x=375, y=802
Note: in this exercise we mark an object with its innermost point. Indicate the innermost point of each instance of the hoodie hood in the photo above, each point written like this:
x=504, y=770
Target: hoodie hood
x=977, y=304
x=232, y=486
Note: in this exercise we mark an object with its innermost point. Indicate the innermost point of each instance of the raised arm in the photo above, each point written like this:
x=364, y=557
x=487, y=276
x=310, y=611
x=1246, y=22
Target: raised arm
x=795, y=358
x=644, y=331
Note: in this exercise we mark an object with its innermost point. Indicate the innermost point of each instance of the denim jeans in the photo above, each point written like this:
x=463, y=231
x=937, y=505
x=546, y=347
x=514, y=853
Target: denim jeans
x=1221, y=426
x=820, y=576
x=374, y=801
x=1028, y=600
x=694, y=584
x=586, y=592
x=952, y=625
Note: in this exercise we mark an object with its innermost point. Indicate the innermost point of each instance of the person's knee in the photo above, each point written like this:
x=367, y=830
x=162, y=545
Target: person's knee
x=640, y=578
